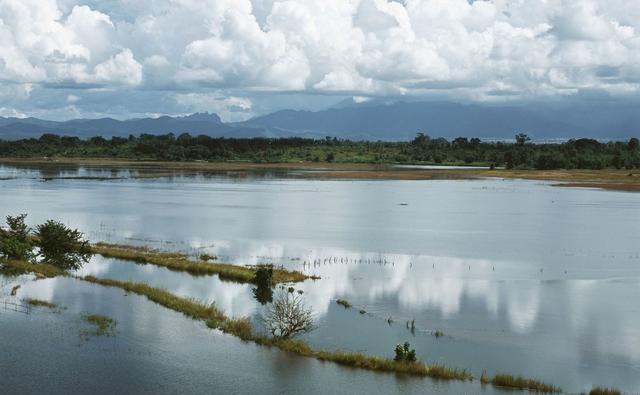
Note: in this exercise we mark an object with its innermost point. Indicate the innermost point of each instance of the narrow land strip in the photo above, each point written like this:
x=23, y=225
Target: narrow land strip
x=622, y=180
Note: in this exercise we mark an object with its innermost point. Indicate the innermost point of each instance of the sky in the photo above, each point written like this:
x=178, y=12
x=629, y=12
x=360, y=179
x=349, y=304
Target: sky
x=62, y=59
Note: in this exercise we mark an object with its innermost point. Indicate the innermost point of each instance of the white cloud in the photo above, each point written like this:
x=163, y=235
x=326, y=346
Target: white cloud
x=122, y=68
x=480, y=49
x=38, y=44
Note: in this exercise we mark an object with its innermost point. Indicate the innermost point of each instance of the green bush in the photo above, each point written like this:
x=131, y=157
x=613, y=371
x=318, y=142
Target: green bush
x=62, y=246
x=404, y=353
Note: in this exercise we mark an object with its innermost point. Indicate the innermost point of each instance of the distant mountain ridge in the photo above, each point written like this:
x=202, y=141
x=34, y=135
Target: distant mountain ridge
x=402, y=120
x=367, y=121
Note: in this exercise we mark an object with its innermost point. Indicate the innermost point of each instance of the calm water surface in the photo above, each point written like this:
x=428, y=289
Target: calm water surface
x=520, y=276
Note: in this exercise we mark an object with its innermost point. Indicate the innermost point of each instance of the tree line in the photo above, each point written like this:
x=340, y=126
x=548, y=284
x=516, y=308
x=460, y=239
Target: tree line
x=580, y=153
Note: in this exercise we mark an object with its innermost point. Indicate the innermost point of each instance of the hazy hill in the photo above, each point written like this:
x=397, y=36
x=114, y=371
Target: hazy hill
x=371, y=121
x=402, y=120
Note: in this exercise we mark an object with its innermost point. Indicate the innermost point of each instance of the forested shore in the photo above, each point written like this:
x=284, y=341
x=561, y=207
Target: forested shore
x=521, y=154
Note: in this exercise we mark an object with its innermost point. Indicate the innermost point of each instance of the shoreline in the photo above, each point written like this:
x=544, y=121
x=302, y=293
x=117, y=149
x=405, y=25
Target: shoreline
x=610, y=179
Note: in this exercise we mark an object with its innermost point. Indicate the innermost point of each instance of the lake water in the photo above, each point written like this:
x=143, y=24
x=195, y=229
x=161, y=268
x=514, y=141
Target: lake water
x=521, y=277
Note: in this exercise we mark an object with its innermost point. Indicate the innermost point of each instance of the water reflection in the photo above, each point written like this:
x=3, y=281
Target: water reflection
x=509, y=320
x=159, y=351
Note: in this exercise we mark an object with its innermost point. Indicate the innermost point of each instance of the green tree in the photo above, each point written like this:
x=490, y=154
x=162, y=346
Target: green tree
x=62, y=246
x=522, y=138
x=14, y=241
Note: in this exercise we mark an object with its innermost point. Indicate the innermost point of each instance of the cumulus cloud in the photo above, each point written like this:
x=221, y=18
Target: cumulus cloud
x=473, y=49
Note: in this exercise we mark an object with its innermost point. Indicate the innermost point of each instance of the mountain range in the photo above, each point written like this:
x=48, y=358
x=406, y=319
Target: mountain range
x=369, y=121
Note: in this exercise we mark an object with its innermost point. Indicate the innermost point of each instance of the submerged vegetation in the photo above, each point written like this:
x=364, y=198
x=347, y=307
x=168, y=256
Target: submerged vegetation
x=40, y=303
x=105, y=326
x=509, y=381
x=573, y=154
x=180, y=262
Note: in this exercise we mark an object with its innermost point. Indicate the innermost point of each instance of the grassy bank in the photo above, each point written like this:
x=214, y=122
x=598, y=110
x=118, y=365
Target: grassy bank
x=180, y=262
x=241, y=327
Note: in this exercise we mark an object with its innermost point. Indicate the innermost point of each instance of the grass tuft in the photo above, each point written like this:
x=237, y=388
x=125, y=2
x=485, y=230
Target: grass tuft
x=240, y=327
x=509, y=381
x=180, y=262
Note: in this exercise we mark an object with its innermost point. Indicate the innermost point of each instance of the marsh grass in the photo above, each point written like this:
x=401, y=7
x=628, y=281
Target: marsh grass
x=509, y=381
x=40, y=303
x=241, y=327
x=180, y=262
x=105, y=326
x=604, y=391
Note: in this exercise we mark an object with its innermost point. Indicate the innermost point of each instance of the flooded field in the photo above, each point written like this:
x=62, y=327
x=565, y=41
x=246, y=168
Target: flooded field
x=498, y=275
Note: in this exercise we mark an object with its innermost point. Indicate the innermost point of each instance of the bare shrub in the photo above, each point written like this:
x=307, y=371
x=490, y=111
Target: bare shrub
x=288, y=316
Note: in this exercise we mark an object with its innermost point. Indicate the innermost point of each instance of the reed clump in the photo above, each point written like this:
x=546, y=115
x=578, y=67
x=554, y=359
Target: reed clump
x=604, y=391
x=509, y=381
x=180, y=262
